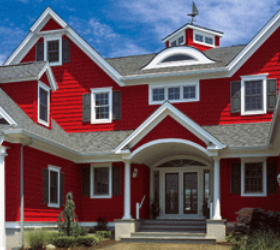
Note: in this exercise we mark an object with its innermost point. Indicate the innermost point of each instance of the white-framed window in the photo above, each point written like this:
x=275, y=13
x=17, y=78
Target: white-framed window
x=53, y=50
x=174, y=93
x=253, y=177
x=178, y=40
x=102, y=106
x=254, y=94
x=43, y=104
x=101, y=180
x=54, y=186
x=203, y=38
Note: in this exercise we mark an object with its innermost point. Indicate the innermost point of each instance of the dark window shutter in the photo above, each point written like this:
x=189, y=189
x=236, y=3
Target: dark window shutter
x=40, y=52
x=116, y=181
x=235, y=97
x=272, y=184
x=271, y=94
x=45, y=186
x=236, y=178
x=86, y=108
x=65, y=50
x=117, y=105
x=61, y=189
x=86, y=181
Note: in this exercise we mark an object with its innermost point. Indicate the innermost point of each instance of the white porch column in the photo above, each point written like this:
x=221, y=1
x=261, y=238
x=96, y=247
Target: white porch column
x=216, y=185
x=127, y=194
x=2, y=199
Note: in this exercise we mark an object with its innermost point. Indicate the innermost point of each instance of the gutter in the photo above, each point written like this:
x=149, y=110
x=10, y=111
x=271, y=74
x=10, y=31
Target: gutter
x=22, y=190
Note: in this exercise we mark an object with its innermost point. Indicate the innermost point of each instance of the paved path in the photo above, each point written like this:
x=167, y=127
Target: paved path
x=155, y=246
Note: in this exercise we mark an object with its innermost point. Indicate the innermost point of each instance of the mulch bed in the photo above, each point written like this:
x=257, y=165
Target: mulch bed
x=105, y=243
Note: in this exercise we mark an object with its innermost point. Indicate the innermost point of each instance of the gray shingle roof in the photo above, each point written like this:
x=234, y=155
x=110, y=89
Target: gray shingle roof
x=133, y=65
x=241, y=135
x=31, y=69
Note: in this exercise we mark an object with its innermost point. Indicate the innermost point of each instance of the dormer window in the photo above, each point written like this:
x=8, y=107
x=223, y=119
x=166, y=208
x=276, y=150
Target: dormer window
x=176, y=58
x=178, y=40
x=53, y=50
x=43, y=104
x=203, y=38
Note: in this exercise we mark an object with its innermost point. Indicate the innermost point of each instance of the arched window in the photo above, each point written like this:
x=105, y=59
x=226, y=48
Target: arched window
x=178, y=57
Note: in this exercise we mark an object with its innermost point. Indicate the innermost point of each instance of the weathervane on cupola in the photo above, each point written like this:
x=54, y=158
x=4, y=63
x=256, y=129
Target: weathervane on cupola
x=194, y=13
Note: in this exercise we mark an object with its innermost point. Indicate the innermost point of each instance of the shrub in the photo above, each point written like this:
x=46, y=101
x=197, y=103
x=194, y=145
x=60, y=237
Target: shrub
x=244, y=215
x=65, y=241
x=86, y=241
x=101, y=225
x=83, y=231
x=51, y=236
x=36, y=239
x=238, y=241
x=104, y=234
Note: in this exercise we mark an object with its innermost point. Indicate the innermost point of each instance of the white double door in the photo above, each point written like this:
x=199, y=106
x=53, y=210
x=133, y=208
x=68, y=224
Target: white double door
x=181, y=193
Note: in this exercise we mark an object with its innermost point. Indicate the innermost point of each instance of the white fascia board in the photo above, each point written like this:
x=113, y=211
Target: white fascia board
x=47, y=12
x=255, y=43
x=210, y=32
x=163, y=111
x=50, y=76
x=7, y=117
x=245, y=152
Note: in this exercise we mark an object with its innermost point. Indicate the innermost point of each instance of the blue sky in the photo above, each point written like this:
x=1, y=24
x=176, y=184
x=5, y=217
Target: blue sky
x=131, y=27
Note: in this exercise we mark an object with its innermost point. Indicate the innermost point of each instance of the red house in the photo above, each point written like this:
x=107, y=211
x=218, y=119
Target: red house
x=192, y=130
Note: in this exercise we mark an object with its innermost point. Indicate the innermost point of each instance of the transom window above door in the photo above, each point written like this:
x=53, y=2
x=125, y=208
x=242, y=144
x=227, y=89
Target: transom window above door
x=176, y=93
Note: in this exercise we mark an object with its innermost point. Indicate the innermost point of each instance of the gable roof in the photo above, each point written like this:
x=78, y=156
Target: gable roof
x=31, y=71
x=34, y=35
x=166, y=109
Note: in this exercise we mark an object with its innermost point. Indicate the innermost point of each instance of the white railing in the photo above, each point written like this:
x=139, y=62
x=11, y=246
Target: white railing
x=138, y=206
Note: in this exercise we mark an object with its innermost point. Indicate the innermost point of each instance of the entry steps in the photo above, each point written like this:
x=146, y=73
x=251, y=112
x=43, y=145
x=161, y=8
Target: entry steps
x=171, y=231
x=183, y=226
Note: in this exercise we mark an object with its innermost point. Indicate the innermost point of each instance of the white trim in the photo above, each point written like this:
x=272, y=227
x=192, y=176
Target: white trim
x=127, y=192
x=50, y=39
x=189, y=26
x=100, y=165
x=253, y=160
x=181, y=86
x=153, y=120
x=199, y=58
x=47, y=89
x=7, y=117
x=204, y=35
x=244, y=79
x=169, y=140
x=98, y=91
x=54, y=169
x=176, y=38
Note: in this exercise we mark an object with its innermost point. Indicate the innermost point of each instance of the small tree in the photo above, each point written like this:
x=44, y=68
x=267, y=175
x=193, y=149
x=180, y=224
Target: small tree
x=67, y=219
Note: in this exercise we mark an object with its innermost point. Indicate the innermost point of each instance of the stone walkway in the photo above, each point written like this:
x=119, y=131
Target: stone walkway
x=155, y=246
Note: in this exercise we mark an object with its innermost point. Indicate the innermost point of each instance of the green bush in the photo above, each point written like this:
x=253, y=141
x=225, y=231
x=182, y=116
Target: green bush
x=83, y=231
x=50, y=237
x=36, y=239
x=65, y=242
x=86, y=241
x=104, y=234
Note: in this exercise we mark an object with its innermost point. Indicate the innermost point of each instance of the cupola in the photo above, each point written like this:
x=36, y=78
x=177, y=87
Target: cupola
x=194, y=35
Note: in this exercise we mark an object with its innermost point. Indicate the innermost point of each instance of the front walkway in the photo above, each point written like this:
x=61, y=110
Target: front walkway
x=155, y=246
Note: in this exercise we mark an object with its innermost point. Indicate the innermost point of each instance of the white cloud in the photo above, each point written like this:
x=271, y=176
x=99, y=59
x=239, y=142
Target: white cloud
x=2, y=59
x=239, y=20
x=104, y=39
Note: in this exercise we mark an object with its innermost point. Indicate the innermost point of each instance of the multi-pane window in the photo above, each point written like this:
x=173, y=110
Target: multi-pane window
x=177, y=41
x=199, y=38
x=43, y=104
x=174, y=43
x=101, y=181
x=54, y=186
x=203, y=38
x=158, y=94
x=102, y=105
x=253, y=178
x=209, y=40
x=174, y=94
x=189, y=92
x=53, y=51
x=253, y=95
x=180, y=39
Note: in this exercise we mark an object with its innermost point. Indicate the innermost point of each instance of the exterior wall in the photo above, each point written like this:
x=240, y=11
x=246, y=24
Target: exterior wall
x=189, y=41
x=34, y=163
x=24, y=95
x=232, y=203
x=169, y=128
x=51, y=25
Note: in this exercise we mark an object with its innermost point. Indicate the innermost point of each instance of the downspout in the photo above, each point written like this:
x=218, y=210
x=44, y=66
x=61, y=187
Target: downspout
x=22, y=190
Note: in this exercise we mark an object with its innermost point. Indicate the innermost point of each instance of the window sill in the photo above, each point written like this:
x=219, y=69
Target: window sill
x=259, y=112
x=253, y=195
x=56, y=64
x=172, y=101
x=101, y=121
x=101, y=197
x=54, y=205
x=47, y=124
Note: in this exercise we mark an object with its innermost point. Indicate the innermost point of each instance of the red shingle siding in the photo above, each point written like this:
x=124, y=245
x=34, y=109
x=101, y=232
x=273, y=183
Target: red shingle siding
x=231, y=203
x=51, y=25
x=169, y=128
